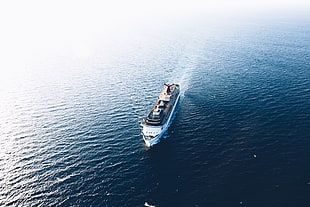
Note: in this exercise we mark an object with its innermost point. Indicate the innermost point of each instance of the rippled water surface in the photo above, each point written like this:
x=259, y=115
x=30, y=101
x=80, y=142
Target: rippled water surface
x=70, y=133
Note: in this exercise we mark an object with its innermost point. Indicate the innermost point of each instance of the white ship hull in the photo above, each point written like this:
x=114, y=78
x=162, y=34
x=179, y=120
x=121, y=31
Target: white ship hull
x=158, y=131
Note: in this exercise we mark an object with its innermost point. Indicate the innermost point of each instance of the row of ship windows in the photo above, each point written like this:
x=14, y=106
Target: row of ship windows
x=152, y=133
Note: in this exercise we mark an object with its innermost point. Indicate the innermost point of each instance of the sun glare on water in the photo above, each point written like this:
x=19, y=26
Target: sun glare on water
x=31, y=29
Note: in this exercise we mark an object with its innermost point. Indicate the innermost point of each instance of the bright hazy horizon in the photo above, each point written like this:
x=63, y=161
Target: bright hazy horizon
x=30, y=27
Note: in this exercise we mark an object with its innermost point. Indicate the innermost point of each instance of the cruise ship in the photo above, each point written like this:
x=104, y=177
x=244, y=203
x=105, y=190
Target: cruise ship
x=159, y=118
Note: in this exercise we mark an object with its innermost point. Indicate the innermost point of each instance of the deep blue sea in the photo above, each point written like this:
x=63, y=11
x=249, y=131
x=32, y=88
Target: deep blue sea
x=70, y=126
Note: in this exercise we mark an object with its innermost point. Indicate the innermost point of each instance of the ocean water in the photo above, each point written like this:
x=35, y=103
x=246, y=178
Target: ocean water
x=70, y=133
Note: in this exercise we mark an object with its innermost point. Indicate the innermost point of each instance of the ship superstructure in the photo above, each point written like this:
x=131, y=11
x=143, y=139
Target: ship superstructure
x=159, y=118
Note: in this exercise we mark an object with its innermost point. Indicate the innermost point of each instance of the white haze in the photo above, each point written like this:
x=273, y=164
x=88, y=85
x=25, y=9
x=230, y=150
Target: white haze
x=30, y=28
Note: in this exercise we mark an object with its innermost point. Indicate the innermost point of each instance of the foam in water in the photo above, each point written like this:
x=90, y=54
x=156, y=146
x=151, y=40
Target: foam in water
x=185, y=67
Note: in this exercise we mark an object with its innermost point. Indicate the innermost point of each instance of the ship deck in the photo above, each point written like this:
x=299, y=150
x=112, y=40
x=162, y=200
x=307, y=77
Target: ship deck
x=163, y=106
